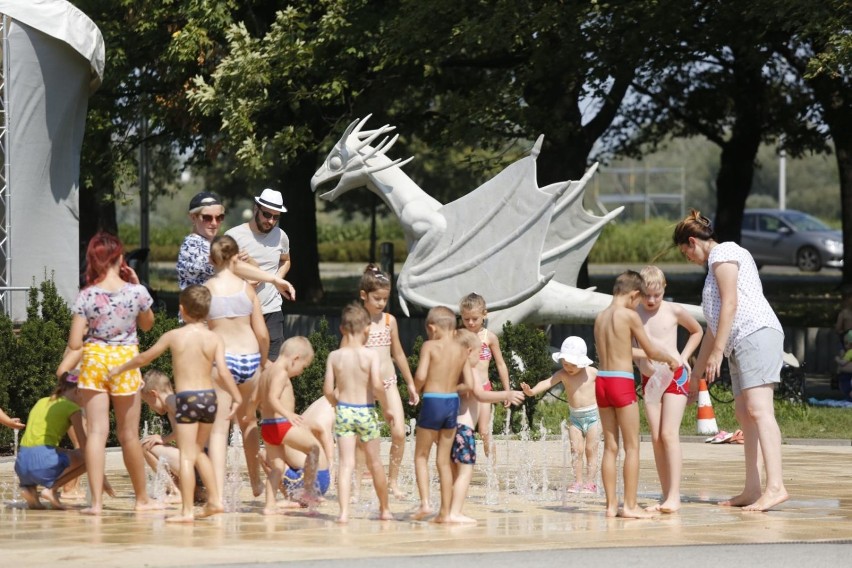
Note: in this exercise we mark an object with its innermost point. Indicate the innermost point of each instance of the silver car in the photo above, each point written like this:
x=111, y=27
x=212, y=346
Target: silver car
x=789, y=237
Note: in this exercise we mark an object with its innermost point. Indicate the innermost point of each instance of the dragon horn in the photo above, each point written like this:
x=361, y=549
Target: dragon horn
x=398, y=162
x=373, y=136
x=355, y=127
x=382, y=147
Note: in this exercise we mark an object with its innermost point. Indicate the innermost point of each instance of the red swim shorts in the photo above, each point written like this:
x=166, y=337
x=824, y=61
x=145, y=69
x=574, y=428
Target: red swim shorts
x=273, y=430
x=615, y=388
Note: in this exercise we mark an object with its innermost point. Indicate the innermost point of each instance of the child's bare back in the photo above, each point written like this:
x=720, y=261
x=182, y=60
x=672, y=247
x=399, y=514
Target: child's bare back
x=193, y=349
x=355, y=370
x=444, y=360
x=615, y=328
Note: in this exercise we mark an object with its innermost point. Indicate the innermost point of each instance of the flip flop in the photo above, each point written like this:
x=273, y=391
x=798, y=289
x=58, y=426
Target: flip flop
x=722, y=437
x=715, y=436
x=737, y=438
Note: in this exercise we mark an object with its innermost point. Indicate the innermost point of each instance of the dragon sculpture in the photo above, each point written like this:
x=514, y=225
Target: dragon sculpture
x=518, y=245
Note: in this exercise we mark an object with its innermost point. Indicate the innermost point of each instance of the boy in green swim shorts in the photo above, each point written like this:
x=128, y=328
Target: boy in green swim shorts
x=352, y=383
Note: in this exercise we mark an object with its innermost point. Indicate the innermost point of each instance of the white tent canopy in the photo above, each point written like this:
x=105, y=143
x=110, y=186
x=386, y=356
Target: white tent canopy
x=53, y=61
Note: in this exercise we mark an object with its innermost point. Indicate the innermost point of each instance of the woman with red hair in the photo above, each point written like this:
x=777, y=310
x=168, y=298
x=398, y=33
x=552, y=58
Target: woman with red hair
x=106, y=313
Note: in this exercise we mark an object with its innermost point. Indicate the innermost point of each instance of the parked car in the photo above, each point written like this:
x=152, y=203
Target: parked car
x=792, y=238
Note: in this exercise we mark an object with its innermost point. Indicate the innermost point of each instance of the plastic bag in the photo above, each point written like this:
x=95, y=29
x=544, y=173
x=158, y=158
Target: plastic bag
x=658, y=382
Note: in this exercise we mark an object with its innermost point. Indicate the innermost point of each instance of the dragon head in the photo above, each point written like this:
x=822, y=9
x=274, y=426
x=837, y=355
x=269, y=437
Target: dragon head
x=352, y=159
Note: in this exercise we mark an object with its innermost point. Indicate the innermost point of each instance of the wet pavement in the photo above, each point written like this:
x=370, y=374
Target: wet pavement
x=523, y=515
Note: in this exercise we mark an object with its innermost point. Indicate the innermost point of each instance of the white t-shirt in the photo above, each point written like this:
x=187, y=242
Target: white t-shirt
x=266, y=250
x=753, y=311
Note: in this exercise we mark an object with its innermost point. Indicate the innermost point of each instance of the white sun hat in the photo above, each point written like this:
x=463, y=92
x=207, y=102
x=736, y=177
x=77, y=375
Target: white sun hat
x=573, y=350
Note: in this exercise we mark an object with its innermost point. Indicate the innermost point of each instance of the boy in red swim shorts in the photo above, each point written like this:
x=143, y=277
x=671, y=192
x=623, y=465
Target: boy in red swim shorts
x=615, y=329
x=280, y=425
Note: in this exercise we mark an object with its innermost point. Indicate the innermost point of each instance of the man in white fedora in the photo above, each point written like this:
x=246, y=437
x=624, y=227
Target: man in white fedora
x=263, y=243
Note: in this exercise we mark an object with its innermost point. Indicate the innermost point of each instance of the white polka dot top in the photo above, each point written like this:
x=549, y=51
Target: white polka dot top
x=753, y=311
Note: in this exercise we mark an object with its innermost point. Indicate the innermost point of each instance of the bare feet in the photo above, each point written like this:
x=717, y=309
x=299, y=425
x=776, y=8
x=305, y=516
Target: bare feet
x=52, y=498
x=210, y=509
x=741, y=500
x=343, y=519
x=93, y=511
x=669, y=506
x=441, y=519
x=287, y=504
x=461, y=519
x=31, y=497
x=768, y=500
x=397, y=492
x=180, y=519
x=612, y=510
x=149, y=505
x=385, y=515
x=421, y=513
x=637, y=513
x=271, y=511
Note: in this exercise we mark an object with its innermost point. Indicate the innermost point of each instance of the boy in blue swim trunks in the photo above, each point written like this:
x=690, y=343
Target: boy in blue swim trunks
x=584, y=426
x=352, y=384
x=615, y=328
x=661, y=320
x=194, y=349
x=280, y=426
x=442, y=369
x=463, y=453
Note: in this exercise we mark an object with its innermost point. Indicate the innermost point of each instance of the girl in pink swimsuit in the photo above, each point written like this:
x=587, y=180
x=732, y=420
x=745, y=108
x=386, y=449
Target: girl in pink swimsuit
x=473, y=313
x=375, y=291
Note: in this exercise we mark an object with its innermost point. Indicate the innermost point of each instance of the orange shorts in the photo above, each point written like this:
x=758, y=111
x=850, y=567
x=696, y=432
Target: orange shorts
x=98, y=359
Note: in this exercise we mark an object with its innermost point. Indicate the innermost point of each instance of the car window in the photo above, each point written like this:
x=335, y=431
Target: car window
x=768, y=223
x=748, y=222
x=803, y=222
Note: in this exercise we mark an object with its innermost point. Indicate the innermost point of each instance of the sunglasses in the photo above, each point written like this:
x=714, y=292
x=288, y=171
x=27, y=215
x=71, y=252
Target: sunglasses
x=210, y=218
x=270, y=216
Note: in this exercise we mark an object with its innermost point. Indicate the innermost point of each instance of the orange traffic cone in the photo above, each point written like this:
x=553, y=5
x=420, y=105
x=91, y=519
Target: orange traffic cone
x=706, y=416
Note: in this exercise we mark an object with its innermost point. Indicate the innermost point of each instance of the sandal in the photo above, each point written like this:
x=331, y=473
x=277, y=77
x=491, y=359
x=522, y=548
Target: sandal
x=737, y=438
x=721, y=438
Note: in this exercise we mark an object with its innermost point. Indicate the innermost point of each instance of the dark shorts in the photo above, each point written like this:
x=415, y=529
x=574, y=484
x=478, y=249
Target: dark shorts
x=615, y=389
x=40, y=465
x=295, y=479
x=438, y=411
x=196, y=406
x=275, y=326
x=273, y=430
x=464, y=446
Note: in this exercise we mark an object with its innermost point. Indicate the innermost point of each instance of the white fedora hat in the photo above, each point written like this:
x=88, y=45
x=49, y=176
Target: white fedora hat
x=271, y=199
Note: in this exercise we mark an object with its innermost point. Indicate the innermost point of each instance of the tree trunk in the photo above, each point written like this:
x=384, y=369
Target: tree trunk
x=300, y=224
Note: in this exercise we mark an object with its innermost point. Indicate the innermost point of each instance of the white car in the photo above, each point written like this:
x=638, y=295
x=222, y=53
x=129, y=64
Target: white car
x=791, y=238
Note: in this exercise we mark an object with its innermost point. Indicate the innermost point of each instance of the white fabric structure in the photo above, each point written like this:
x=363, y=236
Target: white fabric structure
x=53, y=61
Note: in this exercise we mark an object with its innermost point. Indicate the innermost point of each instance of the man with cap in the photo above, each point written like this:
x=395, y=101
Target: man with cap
x=264, y=244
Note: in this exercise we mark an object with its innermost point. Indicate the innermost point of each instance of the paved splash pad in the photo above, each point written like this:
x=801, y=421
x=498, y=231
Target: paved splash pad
x=540, y=518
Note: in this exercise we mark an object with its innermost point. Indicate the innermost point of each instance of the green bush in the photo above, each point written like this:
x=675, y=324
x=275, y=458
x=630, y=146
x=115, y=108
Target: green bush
x=308, y=386
x=357, y=251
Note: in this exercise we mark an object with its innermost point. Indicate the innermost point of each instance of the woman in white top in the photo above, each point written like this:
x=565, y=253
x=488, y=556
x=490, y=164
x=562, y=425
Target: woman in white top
x=741, y=326
x=236, y=317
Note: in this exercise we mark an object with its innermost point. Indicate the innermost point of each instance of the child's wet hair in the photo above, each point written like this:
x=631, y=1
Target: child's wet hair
x=472, y=302
x=222, y=249
x=297, y=346
x=195, y=300
x=441, y=317
x=104, y=250
x=468, y=338
x=652, y=278
x=156, y=380
x=374, y=279
x=354, y=318
x=626, y=282
x=694, y=225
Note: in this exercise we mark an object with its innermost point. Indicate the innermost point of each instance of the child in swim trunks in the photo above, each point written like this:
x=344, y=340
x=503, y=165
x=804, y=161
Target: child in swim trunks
x=661, y=320
x=615, y=328
x=352, y=383
x=280, y=426
x=106, y=314
x=473, y=312
x=463, y=453
x=584, y=426
x=375, y=289
x=442, y=369
x=194, y=350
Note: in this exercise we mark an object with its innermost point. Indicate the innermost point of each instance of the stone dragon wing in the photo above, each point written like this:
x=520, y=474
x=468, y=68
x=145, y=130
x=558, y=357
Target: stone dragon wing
x=491, y=244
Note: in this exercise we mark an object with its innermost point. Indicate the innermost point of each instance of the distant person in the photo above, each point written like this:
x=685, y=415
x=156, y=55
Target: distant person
x=741, y=326
x=264, y=244
x=844, y=367
x=352, y=384
x=615, y=329
x=577, y=376
x=664, y=412
x=843, y=324
x=194, y=350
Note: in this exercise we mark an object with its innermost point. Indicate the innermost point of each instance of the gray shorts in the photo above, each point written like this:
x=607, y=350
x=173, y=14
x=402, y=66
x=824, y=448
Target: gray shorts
x=757, y=360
